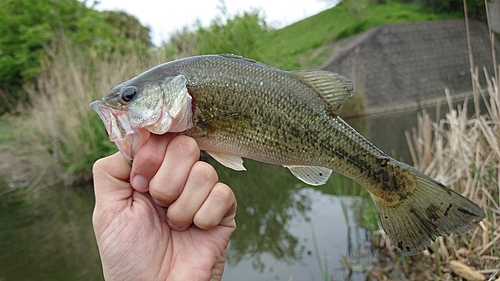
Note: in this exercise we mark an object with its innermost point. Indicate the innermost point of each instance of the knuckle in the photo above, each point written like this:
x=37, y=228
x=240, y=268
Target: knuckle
x=148, y=157
x=177, y=216
x=223, y=192
x=204, y=172
x=204, y=221
x=166, y=194
x=185, y=145
x=147, y=163
x=221, y=200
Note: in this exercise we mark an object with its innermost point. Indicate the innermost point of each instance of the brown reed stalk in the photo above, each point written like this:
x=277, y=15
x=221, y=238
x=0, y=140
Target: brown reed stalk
x=464, y=153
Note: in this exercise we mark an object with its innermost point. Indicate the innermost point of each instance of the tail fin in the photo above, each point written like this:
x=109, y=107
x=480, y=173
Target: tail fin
x=432, y=210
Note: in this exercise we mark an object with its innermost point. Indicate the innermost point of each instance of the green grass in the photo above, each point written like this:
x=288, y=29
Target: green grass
x=7, y=129
x=322, y=262
x=12, y=138
x=282, y=48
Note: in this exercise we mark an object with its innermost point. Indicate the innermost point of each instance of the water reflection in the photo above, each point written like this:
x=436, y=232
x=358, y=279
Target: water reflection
x=47, y=235
x=387, y=131
x=267, y=200
x=289, y=230
x=285, y=230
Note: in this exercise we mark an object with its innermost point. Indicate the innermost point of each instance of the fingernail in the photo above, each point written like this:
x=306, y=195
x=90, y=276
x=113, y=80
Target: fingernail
x=140, y=183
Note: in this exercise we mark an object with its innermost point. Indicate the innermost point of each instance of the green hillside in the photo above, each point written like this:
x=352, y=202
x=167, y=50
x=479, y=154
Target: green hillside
x=283, y=48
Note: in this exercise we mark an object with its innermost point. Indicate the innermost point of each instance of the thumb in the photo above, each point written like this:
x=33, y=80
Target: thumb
x=111, y=179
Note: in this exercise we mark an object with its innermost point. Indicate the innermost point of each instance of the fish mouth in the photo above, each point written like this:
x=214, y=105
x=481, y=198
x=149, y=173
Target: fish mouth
x=116, y=120
x=119, y=130
x=104, y=112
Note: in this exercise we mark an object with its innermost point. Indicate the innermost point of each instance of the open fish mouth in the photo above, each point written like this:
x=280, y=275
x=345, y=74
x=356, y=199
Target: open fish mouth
x=116, y=121
x=119, y=130
x=130, y=116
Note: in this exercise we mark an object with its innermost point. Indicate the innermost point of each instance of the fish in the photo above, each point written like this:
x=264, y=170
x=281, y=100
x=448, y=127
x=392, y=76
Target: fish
x=238, y=108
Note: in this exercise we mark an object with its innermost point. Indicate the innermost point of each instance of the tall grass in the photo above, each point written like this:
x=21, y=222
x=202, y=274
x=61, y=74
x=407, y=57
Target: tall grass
x=61, y=119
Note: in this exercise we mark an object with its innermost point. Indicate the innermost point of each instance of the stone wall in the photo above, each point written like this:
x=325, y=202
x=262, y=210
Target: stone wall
x=403, y=65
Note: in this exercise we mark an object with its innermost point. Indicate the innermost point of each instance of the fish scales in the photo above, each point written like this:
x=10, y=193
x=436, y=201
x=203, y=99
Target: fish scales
x=235, y=107
x=270, y=112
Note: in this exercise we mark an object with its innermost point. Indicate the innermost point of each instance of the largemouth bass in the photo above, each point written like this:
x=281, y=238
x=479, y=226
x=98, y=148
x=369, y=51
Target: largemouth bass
x=236, y=107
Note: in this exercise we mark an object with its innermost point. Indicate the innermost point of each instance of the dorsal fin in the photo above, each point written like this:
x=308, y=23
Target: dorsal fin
x=233, y=56
x=332, y=87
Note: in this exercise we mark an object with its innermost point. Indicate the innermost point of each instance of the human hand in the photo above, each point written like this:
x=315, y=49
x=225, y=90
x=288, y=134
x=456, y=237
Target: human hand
x=165, y=218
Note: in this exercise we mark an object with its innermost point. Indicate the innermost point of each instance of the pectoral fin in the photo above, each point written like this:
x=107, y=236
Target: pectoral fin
x=230, y=161
x=311, y=175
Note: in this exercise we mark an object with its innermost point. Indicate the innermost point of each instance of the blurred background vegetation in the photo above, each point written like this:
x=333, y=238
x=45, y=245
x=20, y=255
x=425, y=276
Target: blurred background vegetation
x=58, y=56
x=33, y=32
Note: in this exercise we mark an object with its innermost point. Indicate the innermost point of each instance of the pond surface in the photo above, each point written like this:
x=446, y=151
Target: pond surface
x=286, y=229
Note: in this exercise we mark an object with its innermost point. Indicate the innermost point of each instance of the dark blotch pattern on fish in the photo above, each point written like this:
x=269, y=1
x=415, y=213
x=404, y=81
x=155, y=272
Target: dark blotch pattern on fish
x=382, y=160
x=432, y=212
x=447, y=209
x=467, y=212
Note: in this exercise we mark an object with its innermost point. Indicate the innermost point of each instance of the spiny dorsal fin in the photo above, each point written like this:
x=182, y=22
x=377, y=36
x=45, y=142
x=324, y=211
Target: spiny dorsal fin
x=312, y=175
x=233, y=56
x=333, y=88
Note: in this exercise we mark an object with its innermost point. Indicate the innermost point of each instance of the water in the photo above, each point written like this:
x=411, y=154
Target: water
x=279, y=219
x=322, y=225
x=286, y=230
x=47, y=235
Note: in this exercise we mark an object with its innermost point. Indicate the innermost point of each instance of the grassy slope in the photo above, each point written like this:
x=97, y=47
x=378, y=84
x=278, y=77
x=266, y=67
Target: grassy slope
x=282, y=48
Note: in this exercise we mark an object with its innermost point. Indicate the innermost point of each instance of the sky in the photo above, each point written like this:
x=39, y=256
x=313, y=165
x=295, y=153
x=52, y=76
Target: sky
x=165, y=17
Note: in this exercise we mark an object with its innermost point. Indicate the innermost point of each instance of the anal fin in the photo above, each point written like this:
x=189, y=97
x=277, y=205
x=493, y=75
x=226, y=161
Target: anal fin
x=312, y=175
x=230, y=161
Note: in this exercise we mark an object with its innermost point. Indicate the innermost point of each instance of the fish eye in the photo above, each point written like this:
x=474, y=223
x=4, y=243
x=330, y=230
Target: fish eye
x=127, y=94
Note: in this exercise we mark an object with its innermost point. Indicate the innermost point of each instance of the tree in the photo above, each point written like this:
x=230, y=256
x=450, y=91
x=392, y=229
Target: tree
x=128, y=27
x=32, y=31
x=227, y=34
x=237, y=35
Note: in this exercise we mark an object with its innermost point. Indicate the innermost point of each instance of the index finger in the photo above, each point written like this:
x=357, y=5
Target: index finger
x=148, y=160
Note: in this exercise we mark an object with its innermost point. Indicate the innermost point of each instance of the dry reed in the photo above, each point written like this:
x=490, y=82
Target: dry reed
x=463, y=152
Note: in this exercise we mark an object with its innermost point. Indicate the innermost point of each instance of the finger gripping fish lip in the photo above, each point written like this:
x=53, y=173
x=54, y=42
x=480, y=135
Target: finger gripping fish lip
x=158, y=107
